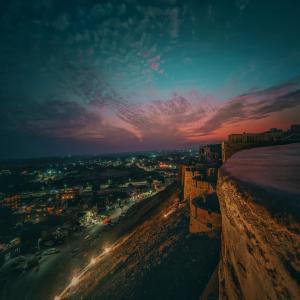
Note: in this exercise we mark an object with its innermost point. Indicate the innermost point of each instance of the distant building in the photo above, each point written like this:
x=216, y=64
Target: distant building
x=69, y=194
x=13, y=202
x=5, y=172
x=211, y=153
x=237, y=142
x=295, y=128
x=166, y=165
x=12, y=249
x=293, y=134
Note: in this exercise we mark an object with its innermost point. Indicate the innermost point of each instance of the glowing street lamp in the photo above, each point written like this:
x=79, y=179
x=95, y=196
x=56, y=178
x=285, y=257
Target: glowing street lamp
x=93, y=261
x=74, y=281
x=107, y=249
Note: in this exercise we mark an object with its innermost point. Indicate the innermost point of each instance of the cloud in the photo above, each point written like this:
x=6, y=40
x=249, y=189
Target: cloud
x=122, y=9
x=187, y=60
x=242, y=4
x=278, y=104
x=155, y=63
x=98, y=72
x=99, y=11
x=154, y=66
x=253, y=106
x=113, y=122
x=166, y=119
x=60, y=119
x=211, y=14
x=62, y=22
x=174, y=22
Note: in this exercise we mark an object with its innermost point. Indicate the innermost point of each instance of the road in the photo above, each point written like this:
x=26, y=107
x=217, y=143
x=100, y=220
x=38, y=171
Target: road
x=81, y=255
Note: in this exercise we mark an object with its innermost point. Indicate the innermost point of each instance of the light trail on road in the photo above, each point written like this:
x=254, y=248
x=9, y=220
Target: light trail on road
x=170, y=211
x=94, y=260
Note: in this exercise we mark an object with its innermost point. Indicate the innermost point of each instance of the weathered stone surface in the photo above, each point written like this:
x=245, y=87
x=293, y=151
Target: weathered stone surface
x=259, y=193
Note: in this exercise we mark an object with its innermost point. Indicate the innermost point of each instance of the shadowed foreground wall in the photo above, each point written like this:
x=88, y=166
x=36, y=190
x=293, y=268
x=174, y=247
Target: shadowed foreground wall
x=259, y=196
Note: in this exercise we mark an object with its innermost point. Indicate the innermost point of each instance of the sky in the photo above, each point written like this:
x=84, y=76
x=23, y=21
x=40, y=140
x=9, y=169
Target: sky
x=92, y=77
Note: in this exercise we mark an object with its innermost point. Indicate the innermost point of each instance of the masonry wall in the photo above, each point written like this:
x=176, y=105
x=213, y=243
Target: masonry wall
x=260, y=250
x=202, y=220
x=228, y=149
x=194, y=188
x=181, y=173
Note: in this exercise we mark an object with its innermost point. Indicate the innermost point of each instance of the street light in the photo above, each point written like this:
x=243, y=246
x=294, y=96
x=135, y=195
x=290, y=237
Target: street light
x=74, y=281
x=107, y=249
x=93, y=261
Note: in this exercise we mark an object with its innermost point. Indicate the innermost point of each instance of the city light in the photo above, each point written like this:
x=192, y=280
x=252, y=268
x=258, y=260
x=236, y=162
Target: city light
x=167, y=214
x=107, y=250
x=74, y=281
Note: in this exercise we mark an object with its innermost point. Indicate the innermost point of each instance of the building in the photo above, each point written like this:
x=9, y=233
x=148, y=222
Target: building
x=197, y=178
x=166, y=165
x=199, y=181
x=13, y=202
x=12, y=249
x=274, y=136
x=295, y=128
x=211, y=153
x=293, y=134
x=69, y=194
x=199, y=191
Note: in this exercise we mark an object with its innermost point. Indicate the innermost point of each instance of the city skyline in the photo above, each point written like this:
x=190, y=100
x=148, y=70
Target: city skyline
x=119, y=76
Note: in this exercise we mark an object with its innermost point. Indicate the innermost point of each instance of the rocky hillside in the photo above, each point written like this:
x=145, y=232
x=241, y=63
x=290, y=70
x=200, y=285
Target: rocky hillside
x=157, y=259
x=259, y=193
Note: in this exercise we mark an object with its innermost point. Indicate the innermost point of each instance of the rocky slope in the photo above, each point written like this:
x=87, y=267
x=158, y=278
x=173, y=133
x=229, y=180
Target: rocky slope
x=259, y=193
x=157, y=259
